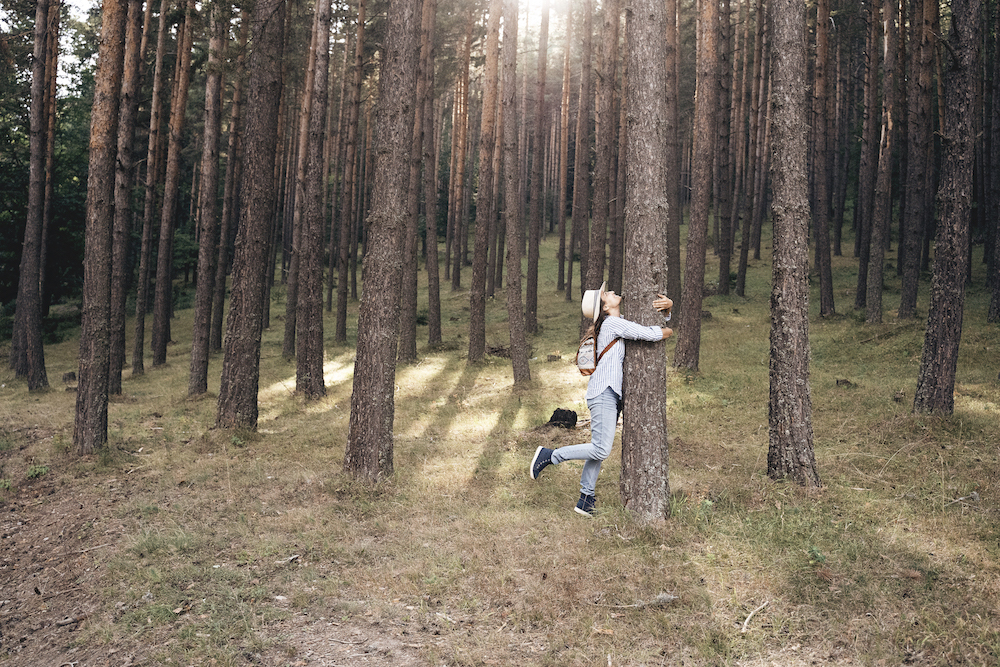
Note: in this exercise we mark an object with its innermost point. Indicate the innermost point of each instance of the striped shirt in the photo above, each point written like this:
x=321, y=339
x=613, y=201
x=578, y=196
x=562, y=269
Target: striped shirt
x=609, y=370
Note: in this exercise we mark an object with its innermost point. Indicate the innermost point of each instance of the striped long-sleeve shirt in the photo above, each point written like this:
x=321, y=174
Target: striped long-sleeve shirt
x=609, y=369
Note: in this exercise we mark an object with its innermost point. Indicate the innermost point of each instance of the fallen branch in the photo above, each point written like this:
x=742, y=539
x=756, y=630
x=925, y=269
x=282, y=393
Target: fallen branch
x=747, y=622
x=70, y=620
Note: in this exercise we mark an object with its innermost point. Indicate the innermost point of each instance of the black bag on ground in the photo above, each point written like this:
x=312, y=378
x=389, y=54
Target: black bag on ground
x=563, y=418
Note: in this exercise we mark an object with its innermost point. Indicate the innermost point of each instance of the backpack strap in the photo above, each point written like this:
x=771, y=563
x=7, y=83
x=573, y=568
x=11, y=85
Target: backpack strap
x=610, y=345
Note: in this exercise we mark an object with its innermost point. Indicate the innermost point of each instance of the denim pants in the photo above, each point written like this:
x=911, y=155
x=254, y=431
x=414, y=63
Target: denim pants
x=603, y=420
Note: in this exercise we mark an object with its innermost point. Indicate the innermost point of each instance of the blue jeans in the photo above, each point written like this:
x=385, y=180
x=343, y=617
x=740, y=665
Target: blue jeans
x=603, y=420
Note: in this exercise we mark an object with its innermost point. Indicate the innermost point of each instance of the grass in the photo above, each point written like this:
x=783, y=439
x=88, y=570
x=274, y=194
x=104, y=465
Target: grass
x=221, y=537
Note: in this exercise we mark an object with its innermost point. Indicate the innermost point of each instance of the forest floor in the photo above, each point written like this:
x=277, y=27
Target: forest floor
x=181, y=544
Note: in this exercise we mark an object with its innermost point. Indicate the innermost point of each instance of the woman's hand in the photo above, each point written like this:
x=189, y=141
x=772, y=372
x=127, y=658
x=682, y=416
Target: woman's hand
x=667, y=332
x=663, y=303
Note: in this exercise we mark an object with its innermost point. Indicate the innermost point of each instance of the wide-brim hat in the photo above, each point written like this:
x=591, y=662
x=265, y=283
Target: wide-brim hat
x=591, y=304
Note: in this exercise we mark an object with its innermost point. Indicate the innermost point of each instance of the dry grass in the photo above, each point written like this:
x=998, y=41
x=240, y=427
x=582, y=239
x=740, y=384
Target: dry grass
x=229, y=548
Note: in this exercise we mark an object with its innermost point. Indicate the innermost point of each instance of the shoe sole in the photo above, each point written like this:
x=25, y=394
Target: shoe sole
x=583, y=512
x=531, y=466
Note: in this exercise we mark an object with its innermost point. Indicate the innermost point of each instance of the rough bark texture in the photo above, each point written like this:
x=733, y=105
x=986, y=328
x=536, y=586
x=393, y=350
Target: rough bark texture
x=535, y=214
x=882, y=209
x=869, y=157
x=163, y=298
x=993, y=314
x=512, y=221
x=790, y=452
x=821, y=160
x=27, y=354
x=936, y=378
x=920, y=163
x=580, y=237
x=431, y=183
x=241, y=366
x=645, y=489
x=369, y=450
x=563, y=167
x=90, y=426
x=122, y=231
x=673, y=156
x=208, y=237
x=484, y=206
x=309, y=319
x=706, y=108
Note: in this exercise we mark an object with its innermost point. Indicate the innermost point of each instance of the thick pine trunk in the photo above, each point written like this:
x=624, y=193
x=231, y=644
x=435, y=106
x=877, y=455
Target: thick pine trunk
x=644, y=484
x=580, y=238
x=936, y=378
x=237, y=405
x=369, y=450
x=790, y=452
x=430, y=158
x=563, y=177
x=869, y=158
x=536, y=211
x=821, y=160
x=90, y=426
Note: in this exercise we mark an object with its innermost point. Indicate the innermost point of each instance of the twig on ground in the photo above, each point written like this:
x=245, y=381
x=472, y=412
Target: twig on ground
x=747, y=622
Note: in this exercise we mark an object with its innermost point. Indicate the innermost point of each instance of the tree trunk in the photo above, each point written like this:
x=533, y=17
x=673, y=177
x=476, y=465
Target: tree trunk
x=919, y=199
x=369, y=450
x=936, y=378
x=149, y=206
x=162, y=301
x=208, y=234
x=564, y=153
x=993, y=315
x=581, y=160
x=790, y=450
x=90, y=425
x=536, y=212
x=237, y=405
x=869, y=159
x=309, y=316
x=754, y=161
x=27, y=353
x=644, y=485
x=673, y=155
x=512, y=221
x=723, y=152
x=821, y=160
x=484, y=200
x=882, y=208
x=430, y=157
x=350, y=168
x=706, y=109
x=230, y=200
x=459, y=146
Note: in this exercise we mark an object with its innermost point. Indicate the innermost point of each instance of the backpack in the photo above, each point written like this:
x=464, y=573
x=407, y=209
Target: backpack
x=586, y=357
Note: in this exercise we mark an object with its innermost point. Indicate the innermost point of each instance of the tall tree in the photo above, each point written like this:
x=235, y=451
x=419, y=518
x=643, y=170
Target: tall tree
x=90, y=425
x=369, y=450
x=536, y=212
x=163, y=297
x=882, y=208
x=149, y=201
x=706, y=111
x=430, y=180
x=124, y=180
x=936, y=378
x=821, y=159
x=920, y=149
x=724, y=149
x=208, y=235
x=869, y=156
x=993, y=315
x=563, y=159
x=27, y=353
x=645, y=488
x=790, y=450
x=309, y=318
x=237, y=405
x=671, y=132
x=579, y=238
x=484, y=200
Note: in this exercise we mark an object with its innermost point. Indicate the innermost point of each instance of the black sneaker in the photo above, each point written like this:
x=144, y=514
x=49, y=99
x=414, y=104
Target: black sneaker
x=586, y=505
x=542, y=458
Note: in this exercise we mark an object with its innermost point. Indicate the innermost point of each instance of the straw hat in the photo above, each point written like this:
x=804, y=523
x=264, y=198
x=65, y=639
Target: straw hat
x=591, y=304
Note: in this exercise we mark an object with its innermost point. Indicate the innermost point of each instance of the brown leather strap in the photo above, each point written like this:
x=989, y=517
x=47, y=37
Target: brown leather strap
x=610, y=345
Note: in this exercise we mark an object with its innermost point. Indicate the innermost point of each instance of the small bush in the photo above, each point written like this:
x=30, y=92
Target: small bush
x=34, y=472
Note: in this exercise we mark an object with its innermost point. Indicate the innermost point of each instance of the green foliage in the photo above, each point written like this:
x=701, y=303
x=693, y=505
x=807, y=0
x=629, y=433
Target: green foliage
x=36, y=471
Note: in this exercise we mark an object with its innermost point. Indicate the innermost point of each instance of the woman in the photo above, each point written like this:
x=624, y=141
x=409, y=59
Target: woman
x=604, y=389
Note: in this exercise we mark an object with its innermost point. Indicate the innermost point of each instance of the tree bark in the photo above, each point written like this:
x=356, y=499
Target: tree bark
x=644, y=484
x=237, y=405
x=869, y=159
x=688, y=347
x=27, y=353
x=90, y=425
x=430, y=157
x=723, y=152
x=536, y=211
x=309, y=318
x=821, y=160
x=993, y=314
x=208, y=235
x=369, y=450
x=564, y=153
x=581, y=160
x=790, y=450
x=673, y=155
x=163, y=298
x=484, y=200
x=936, y=378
